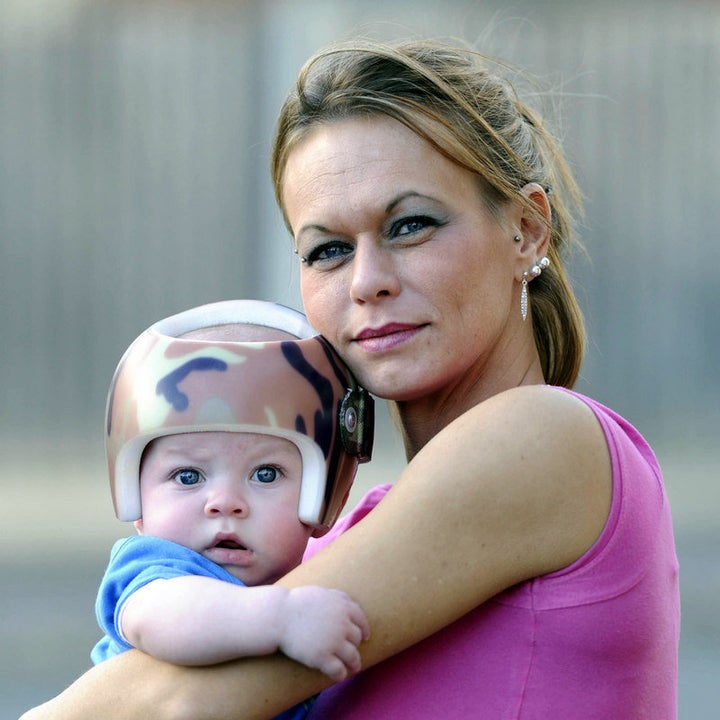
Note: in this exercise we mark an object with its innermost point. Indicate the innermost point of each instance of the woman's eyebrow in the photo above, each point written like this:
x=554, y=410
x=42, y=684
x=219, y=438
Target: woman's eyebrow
x=404, y=196
x=388, y=209
x=311, y=226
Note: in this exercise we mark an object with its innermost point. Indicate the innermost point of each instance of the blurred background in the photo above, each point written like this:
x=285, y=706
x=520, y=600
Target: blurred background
x=134, y=183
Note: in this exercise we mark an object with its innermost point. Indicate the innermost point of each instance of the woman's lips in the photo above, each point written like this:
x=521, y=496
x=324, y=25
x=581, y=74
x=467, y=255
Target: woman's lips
x=386, y=337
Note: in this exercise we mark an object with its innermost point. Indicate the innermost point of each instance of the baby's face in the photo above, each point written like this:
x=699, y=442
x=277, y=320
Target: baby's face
x=232, y=497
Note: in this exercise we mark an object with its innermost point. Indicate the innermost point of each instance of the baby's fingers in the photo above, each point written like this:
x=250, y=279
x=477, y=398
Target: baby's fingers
x=335, y=669
x=356, y=633
x=350, y=657
x=345, y=662
x=358, y=618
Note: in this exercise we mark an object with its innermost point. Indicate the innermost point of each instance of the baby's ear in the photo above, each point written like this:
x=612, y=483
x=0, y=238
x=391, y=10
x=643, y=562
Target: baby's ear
x=138, y=526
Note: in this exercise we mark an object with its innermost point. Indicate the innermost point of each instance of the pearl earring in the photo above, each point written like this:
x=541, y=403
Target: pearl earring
x=528, y=275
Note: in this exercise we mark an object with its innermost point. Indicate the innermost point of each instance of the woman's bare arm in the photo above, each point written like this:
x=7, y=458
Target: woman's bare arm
x=517, y=487
x=137, y=686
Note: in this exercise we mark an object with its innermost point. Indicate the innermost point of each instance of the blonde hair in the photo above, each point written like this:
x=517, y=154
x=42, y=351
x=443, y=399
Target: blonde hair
x=448, y=96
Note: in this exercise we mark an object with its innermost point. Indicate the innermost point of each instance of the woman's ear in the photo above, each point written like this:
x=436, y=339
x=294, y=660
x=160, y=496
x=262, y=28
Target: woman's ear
x=535, y=223
x=138, y=526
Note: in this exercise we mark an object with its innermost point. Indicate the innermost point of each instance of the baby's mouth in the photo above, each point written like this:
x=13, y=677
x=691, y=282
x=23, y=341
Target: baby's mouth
x=230, y=545
x=228, y=549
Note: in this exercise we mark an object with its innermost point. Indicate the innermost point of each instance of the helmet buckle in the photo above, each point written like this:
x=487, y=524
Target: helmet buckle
x=357, y=414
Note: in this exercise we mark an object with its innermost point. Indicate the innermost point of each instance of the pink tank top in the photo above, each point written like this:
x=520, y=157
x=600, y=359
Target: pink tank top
x=596, y=640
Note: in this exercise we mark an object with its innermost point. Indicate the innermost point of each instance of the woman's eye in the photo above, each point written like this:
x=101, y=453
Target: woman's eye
x=410, y=226
x=327, y=253
x=187, y=477
x=266, y=474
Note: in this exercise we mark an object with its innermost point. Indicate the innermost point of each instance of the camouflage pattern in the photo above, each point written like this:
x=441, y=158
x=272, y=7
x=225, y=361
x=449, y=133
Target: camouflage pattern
x=296, y=389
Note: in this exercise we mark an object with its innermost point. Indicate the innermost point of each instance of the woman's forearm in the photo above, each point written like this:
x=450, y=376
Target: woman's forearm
x=135, y=686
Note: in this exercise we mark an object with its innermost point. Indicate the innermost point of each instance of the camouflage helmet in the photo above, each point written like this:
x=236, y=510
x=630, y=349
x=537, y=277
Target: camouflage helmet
x=240, y=377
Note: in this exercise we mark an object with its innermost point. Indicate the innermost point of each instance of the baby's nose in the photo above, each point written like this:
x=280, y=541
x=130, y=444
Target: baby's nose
x=226, y=500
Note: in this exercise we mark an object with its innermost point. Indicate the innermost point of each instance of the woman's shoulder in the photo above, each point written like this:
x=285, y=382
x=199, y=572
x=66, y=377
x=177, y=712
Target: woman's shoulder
x=550, y=434
x=545, y=398
x=583, y=423
x=548, y=419
x=534, y=458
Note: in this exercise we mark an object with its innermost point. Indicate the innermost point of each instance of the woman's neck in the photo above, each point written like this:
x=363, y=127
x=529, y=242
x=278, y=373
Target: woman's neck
x=419, y=420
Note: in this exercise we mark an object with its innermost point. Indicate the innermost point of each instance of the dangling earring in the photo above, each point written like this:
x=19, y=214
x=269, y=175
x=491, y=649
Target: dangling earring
x=531, y=274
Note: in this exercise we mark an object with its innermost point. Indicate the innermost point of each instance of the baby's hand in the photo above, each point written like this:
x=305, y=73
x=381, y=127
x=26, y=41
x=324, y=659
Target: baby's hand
x=323, y=629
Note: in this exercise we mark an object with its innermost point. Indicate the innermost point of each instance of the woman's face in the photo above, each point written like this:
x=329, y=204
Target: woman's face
x=404, y=269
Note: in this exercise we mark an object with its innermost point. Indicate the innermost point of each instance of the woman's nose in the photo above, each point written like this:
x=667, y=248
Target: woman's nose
x=226, y=499
x=373, y=273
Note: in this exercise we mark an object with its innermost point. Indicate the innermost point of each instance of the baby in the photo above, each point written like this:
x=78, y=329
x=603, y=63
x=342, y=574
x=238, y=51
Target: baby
x=233, y=435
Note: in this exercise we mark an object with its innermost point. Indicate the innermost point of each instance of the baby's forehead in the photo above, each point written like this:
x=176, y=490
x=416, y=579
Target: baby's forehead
x=239, y=332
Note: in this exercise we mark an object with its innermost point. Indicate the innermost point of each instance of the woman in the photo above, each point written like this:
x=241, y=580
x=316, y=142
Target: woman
x=523, y=564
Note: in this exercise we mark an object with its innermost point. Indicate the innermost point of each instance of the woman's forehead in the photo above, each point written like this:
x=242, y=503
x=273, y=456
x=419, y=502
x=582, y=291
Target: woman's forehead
x=363, y=161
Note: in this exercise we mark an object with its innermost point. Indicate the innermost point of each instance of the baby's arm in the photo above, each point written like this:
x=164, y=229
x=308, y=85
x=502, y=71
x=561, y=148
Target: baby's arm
x=193, y=620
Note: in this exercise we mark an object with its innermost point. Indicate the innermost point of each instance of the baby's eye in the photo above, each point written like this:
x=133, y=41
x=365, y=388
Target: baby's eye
x=187, y=477
x=328, y=252
x=266, y=474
